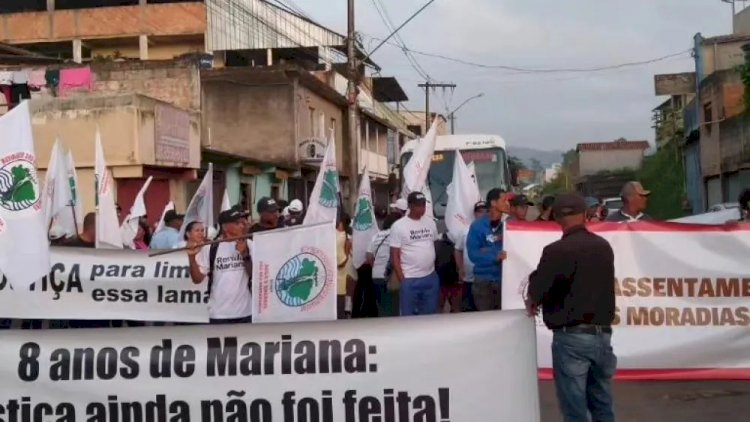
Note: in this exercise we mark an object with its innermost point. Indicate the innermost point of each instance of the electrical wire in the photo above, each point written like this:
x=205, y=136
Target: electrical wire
x=385, y=17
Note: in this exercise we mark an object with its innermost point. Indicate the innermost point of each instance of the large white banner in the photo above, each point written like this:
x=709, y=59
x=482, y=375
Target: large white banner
x=682, y=295
x=294, y=274
x=463, y=368
x=105, y=284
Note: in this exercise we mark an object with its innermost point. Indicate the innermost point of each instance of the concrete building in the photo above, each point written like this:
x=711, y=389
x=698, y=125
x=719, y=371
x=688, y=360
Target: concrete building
x=551, y=173
x=668, y=116
x=621, y=154
x=417, y=123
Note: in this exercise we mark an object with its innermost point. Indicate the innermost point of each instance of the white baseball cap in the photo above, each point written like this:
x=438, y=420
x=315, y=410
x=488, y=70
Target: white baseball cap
x=296, y=206
x=400, y=204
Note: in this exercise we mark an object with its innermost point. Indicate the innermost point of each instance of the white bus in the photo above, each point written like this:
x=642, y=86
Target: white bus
x=487, y=152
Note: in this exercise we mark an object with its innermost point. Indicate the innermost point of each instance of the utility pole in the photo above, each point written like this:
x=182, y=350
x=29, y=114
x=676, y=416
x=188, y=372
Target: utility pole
x=353, y=115
x=427, y=85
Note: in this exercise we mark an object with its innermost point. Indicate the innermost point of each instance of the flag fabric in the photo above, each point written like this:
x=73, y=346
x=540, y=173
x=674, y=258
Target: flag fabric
x=225, y=203
x=364, y=226
x=107, y=224
x=57, y=198
x=74, y=191
x=418, y=167
x=129, y=228
x=294, y=274
x=324, y=199
x=24, y=247
x=201, y=207
x=160, y=224
x=463, y=194
x=473, y=172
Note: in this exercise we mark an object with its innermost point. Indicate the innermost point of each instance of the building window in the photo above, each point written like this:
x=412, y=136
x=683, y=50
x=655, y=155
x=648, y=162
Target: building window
x=708, y=117
x=311, y=112
x=333, y=126
x=276, y=192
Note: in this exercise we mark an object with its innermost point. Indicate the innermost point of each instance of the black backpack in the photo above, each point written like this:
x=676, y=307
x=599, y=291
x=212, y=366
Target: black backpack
x=445, y=261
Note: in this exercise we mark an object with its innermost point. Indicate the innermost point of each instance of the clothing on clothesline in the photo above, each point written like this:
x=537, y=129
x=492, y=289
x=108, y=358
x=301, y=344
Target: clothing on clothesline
x=20, y=77
x=19, y=92
x=75, y=79
x=37, y=79
x=6, y=77
x=5, y=89
x=52, y=76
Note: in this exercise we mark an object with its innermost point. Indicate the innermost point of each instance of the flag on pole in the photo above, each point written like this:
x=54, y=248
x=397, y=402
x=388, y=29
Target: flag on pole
x=463, y=194
x=294, y=274
x=160, y=224
x=129, y=228
x=57, y=195
x=473, y=172
x=107, y=224
x=364, y=227
x=201, y=207
x=74, y=191
x=418, y=167
x=225, y=204
x=324, y=199
x=24, y=247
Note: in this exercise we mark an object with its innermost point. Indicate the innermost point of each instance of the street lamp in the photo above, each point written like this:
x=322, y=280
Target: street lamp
x=452, y=114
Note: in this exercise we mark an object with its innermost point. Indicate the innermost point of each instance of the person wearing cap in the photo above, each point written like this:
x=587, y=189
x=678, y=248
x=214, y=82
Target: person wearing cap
x=268, y=209
x=634, y=203
x=519, y=207
x=545, y=209
x=573, y=287
x=412, y=243
x=464, y=264
x=294, y=215
x=400, y=207
x=227, y=268
x=484, y=244
x=169, y=236
x=593, y=209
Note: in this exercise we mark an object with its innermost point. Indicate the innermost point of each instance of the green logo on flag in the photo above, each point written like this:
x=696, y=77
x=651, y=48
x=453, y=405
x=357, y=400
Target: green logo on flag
x=301, y=279
x=363, y=219
x=73, y=191
x=19, y=188
x=329, y=192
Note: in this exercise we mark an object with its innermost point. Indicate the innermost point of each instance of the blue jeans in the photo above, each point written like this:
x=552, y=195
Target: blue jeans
x=583, y=366
x=420, y=296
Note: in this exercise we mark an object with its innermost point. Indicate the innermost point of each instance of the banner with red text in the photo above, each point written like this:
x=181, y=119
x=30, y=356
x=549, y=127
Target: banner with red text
x=682, y=292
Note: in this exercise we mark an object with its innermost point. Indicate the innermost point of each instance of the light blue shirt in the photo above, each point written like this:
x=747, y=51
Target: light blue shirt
x=166, y=238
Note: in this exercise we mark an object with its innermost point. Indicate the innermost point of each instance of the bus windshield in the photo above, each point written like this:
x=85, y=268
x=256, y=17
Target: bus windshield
x=490, y=166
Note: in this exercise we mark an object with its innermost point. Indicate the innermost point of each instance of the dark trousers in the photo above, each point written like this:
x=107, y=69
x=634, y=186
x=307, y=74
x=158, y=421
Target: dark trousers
x=583, y=366
x=488, y=295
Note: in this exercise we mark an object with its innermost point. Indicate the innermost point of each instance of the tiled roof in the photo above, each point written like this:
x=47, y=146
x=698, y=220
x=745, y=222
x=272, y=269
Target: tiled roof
x=617, y=145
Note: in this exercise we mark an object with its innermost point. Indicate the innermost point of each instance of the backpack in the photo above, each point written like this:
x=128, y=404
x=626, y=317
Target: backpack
x=445, y=261
x=212, y=251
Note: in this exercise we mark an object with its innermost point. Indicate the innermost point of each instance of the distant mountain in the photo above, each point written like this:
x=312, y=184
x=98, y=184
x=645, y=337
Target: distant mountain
x=546, y=158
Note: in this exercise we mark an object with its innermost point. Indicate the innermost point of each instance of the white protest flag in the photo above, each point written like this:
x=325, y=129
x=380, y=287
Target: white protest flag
x=160, y=224
x=324, y=200
x=463, y=193
x=225, y=203
x=129, y=228
x=74, y=191
x=24, y=248
x=201, y=207
x=418, y=167
x=473, y=172
x=107, y=224
x=717, y=217
x=294, y=274
x=364, y=227
x=57, y=195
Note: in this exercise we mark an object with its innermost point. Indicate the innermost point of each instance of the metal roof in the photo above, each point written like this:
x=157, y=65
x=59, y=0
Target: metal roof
x=388, y=90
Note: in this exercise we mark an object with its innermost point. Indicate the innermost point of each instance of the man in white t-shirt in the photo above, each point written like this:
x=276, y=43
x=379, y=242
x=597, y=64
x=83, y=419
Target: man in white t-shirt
x=412, y=243
x=229, y=274
x=465, y=266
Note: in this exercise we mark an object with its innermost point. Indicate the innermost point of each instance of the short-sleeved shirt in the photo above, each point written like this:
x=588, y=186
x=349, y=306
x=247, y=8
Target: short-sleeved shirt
x=230, y=290
x=166, y=238
x=416, y=240
x=381, y=250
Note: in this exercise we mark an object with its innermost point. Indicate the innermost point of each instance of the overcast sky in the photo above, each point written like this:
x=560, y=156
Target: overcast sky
x=545, y=111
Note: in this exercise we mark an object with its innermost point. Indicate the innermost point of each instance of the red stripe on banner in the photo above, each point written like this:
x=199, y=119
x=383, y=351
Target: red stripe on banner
x=641, y=226
x=689, y=374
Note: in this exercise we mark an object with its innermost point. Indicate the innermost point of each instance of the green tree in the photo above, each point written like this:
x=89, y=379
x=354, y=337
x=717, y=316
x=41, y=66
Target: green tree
x=662, y=174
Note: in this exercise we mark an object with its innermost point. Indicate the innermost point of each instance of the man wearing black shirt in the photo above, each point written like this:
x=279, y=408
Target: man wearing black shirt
x=87, y=238
x=268, y=209
x=574, y=285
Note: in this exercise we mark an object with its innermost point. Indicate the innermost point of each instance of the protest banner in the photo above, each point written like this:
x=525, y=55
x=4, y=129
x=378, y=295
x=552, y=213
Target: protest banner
x=389, y=370
x=106, y=284
x=682, y=296
x=294, y=274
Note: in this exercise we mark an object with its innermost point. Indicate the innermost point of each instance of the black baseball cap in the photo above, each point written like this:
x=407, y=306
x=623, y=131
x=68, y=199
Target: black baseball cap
x=494, y=194
x=172, y=215
x=548, y=201
x=416, y=198
x=480, y=206
x=520, y=200
x=267, y=204
x=569, y=204
x=232, y=215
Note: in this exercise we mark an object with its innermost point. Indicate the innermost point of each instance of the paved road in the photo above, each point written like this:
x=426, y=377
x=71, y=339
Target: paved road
x=724, y=401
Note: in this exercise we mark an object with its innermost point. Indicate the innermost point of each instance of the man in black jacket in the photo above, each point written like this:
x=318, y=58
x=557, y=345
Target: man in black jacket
x=574, y=285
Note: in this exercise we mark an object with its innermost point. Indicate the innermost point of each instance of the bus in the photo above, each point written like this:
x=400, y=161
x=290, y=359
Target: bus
x=487, y=152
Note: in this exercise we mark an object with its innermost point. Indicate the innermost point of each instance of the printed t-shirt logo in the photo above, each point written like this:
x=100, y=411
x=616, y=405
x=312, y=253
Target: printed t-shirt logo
x=19, y=188
x=363, y=219
x=301, y=279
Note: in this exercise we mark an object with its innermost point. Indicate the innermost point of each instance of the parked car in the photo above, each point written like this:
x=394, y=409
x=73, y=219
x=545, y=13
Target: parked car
x=612, y=204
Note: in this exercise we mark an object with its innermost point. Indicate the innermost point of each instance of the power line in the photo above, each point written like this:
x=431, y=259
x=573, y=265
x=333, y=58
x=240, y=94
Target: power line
x=388, y=22
x=543, y=70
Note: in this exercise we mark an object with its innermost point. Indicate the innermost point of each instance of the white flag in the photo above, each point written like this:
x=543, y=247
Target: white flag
x=201, y=207
x=129, y=228
x=324, y=199
x=225, y=204
x=24, y=248
x=74, y=191
x=107, y=224
x=463, y=194
x=160, y=224
x=57, y=195
x=364, y=226
x=418, y=167
x=294, y=274
x=473, y=172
